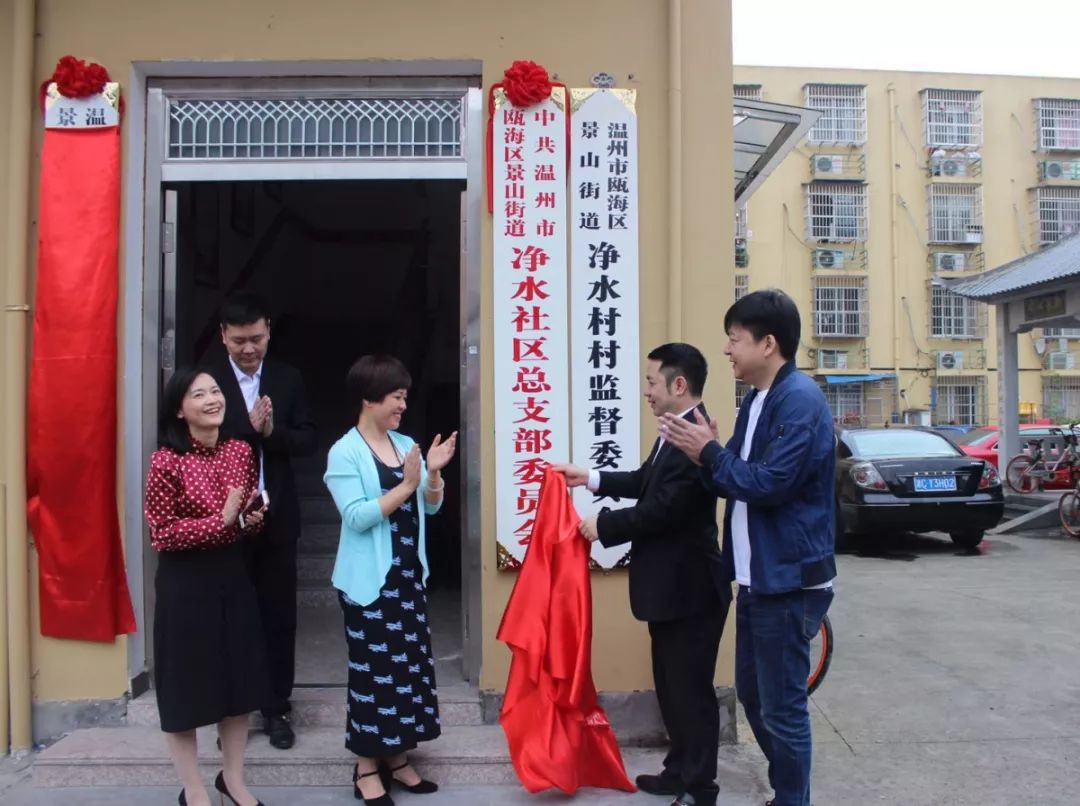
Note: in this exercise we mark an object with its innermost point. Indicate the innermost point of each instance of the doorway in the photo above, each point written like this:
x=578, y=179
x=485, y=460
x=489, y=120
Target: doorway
x=347, y=267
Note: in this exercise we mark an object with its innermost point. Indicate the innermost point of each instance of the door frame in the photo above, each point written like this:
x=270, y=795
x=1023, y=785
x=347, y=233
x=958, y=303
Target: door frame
x=145, y=174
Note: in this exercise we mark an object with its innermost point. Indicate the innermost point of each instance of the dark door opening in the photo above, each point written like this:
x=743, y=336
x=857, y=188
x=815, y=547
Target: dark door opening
x=348, y=268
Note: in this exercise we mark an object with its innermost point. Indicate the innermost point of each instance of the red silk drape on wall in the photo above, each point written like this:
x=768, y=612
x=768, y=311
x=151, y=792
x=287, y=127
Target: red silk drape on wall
x=72, y=412
x=558, y=735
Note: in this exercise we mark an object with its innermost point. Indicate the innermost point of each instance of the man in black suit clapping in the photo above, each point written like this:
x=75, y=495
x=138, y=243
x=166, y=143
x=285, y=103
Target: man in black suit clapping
x=265, y=405
x=676, y=581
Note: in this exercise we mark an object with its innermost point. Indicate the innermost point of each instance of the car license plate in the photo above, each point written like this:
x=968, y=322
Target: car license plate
x=935, y=484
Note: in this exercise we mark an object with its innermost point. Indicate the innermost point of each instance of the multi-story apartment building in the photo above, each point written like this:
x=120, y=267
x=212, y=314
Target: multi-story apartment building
x=906, y=181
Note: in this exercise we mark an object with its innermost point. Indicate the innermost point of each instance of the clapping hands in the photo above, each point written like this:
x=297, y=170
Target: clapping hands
x=412, y=469
x=262, y=416
x=689, y=437
x=440, y=453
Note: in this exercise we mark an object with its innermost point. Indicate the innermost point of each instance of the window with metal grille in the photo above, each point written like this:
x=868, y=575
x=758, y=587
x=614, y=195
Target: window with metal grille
x=314, y=128
x=742, y=286
x=748, y=92
x=1061, y=332
x=880, y=400
x=741, y=227
x=843, y=113
x=832, y=359
x=956, y=213
x=1059, y=213
x=741, y=391
x=836, y=211
x=1058, y=120
x=841, y=307
x=953, y=316
x=1061, y=399
x=960, y=400
x=846, y=402
x=953, y=118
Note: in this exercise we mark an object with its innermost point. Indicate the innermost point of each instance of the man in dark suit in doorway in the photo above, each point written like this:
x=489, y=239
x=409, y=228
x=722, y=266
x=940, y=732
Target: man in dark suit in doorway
x=676, y=579
x=266, y=407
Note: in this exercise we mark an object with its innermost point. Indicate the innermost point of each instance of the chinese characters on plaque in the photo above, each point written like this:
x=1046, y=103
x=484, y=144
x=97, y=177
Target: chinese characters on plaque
x=605, y=364
x=100, y=111
x=530, y=353
x=554, y=327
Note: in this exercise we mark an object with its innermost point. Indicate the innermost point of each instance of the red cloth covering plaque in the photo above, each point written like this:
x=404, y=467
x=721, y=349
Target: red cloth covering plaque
x=558, y=735
x=71, y=431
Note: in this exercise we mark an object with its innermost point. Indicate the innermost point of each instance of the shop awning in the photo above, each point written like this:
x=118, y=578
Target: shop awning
x=764, y=134
x=857, y=378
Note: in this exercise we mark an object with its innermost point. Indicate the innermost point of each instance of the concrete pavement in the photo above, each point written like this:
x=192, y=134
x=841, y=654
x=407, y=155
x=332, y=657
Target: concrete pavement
x=955, y=681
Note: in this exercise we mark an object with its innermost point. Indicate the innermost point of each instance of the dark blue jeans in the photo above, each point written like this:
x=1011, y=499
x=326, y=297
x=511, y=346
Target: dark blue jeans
x=772, y=664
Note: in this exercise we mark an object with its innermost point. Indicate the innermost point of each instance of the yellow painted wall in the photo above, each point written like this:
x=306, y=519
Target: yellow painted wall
x=5, y=133
x=779, y=255
x=628, y=38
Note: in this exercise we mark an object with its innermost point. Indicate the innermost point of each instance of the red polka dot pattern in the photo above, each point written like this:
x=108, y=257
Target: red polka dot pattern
x=186, y=492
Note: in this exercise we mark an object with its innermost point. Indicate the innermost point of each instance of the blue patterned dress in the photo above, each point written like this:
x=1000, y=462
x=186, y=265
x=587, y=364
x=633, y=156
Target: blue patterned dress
x=392, y=701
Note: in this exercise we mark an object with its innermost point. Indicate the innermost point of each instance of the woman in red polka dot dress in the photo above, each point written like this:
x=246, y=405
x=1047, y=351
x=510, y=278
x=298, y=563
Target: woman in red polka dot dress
x=209, y=658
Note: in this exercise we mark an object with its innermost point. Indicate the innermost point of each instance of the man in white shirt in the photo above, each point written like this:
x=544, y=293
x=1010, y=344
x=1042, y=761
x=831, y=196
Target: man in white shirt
x=265, y=405
x=778, y=475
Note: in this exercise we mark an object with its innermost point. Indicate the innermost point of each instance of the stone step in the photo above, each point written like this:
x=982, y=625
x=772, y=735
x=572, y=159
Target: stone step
x=315, y=594
x=315, y=569
x=309, y=483
x=318, y=509
x=137, y=756
x=314, y=708
x=319, y=538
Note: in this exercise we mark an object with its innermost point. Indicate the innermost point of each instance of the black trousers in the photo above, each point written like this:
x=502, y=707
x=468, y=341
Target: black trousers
x=684, y=663
x=272, y=563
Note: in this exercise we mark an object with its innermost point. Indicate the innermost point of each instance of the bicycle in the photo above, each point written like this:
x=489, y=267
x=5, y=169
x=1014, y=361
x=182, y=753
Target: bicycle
x=1069, y=510
x=1027, y=472
x=821, y=649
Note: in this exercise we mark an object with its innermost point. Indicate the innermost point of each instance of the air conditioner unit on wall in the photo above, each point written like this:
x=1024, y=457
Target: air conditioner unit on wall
x=1053, y=169
x=953, y=167
x=1060, y=169
x=828, y=164
x=1061, y=361
x=950, y=360
x=828, y=259
x=949, y=261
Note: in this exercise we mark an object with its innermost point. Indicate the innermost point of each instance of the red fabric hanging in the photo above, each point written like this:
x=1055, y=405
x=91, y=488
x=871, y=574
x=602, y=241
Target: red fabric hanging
x=71, y=429
x=526, y=84
x=558, y=735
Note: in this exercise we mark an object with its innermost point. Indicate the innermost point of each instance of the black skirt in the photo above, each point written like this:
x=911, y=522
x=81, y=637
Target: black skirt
x=392, y=699
x=209, y=656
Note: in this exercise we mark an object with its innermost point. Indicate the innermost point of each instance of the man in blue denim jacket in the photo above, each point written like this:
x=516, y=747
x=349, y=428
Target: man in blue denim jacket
x=777, y=473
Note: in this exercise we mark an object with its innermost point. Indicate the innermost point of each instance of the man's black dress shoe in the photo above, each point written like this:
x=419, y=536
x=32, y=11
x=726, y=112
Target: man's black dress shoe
x=662, y=784
x=279, y=730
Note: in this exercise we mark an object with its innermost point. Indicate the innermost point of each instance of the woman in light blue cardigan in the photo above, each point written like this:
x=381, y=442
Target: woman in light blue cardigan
x=383, y=490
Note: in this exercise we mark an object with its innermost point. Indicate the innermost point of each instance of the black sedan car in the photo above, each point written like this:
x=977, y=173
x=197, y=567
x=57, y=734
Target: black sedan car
x=913, y=480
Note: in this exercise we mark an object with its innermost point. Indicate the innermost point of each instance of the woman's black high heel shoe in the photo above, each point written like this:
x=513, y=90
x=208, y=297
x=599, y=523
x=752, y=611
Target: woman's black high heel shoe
x=219, y=785
x=383, y=799
x=422, y=788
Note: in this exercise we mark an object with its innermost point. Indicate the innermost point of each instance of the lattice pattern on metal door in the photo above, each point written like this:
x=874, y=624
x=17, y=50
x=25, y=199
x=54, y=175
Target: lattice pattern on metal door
x=314, y=128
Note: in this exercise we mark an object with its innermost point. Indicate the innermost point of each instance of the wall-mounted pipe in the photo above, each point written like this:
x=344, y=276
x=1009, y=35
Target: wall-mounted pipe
x=16, y=606
x=675, y=168
x=894, y=246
